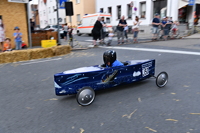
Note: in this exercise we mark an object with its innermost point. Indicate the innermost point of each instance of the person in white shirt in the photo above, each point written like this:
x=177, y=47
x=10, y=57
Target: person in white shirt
x=110, y=37
x=65, y=28
x=135, y=29
x=125, y=33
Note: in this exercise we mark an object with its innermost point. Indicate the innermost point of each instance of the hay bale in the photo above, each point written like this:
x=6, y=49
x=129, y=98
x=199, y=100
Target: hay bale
x=61, y=50
x=2, y=60
x=20, y=55
x=8, y=57
x=41, y=53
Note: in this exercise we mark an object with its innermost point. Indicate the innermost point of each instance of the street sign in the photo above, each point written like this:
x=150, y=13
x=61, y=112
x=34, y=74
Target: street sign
x=19, y=1
x=60, y=19
x=191, y=2
x=62, y=4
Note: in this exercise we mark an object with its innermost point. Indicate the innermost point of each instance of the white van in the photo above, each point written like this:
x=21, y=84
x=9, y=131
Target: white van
x=88, y=21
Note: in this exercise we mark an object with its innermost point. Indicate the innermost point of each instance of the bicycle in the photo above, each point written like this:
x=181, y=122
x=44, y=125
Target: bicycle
x=174, y=33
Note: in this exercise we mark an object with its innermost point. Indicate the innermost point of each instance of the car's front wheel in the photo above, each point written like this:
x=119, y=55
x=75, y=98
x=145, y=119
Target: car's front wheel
x=85, y=96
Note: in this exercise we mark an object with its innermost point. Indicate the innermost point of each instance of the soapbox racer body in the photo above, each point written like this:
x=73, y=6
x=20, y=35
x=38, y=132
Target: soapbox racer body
x=85, y=81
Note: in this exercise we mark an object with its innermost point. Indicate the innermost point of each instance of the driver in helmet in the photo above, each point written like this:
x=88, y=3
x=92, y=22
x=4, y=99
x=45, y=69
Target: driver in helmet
x=110, y=59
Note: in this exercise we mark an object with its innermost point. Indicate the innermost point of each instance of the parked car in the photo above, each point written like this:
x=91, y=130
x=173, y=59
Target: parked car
x=88, y=21
x=54, y=28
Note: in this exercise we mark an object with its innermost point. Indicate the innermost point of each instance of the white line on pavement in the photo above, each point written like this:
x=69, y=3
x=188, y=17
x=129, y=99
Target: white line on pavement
x=40, y=61
x=156, y=50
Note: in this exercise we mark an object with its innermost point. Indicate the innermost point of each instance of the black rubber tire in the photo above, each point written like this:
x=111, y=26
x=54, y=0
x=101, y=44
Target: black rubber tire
x=161, y=79
x=83, y=98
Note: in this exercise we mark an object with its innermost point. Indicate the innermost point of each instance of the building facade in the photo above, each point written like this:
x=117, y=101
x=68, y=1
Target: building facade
x=144, y=9
x=81, y=7
x=43, y=16
x=14, y=14
x=52, y=13
x=48, y=12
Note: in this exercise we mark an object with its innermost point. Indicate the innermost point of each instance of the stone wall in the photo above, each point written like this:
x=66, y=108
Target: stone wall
x=14, y=14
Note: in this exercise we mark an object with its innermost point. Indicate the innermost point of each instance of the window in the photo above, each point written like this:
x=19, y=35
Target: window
x=49, y=21
x=110, y=10
x=70, y=19
x=118, y=12
x=53, y=8
x=107, y=20
x=101, y=10
x=49, y=10
x=78, y=18
x=77, y=1
x=44, y=12
x=143, y=9
x=129, y=11
x=64, y=20
x=54, y=20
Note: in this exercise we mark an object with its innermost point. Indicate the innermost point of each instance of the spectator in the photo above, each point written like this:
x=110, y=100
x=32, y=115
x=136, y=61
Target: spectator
x=65, y=28
x=110, y=37
x=135, y=29
x=7, y=45
x=165, y=25
x=174, y=28
x=103, y=31
x=155, y=23
x=70, y=30
x=96, y=31
x=32, y=25
x=2, y=34
x=18, y=38
x=120, y=30
x=125, y=33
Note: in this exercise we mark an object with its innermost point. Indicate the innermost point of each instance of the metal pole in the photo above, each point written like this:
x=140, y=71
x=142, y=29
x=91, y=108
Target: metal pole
x=194, y=9
x=29, y=27
x=58, y=30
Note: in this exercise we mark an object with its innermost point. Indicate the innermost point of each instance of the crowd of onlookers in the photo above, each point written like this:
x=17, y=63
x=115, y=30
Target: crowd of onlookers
x=165, y=24
x=5, y=42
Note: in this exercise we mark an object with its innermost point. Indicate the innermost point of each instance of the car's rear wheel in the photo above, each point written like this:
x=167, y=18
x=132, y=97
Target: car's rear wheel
x=162, y=79
x=78, y=33
x=85, y=96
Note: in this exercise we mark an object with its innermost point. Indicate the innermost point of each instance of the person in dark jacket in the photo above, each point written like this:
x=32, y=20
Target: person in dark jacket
x=96, y=31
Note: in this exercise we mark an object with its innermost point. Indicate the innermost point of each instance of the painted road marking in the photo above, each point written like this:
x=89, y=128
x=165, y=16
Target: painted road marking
x=155, y=50
x=33, y=62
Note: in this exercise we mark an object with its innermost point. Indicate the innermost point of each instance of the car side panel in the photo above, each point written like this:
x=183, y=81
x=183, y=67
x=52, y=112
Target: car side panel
x=66, y=84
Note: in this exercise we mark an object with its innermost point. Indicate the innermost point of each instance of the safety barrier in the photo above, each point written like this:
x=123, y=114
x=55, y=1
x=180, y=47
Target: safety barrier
x=30, y=54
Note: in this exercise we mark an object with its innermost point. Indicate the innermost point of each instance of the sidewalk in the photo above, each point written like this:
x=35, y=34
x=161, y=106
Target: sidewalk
x=193, y=36
x=142, y=38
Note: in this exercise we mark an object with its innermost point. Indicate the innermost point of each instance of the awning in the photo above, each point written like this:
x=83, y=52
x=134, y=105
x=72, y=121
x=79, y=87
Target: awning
x=182, y=4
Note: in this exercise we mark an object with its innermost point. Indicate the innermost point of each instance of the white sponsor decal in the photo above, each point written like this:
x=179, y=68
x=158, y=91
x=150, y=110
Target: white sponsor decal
x=135, y=74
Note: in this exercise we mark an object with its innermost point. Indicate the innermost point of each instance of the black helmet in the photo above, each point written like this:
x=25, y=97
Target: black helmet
x=109, y=56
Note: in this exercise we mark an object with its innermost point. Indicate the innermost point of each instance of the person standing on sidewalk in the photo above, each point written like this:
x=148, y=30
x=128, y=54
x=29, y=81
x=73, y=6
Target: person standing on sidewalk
x=135, y=29
x=2, y=34
x=110, y=37
x=120, y=30
x=103, y=31
x=166, y=26
x=18, y=38
x=126, y=33
x=155, y=24
x=96, y=31
x=65, y=28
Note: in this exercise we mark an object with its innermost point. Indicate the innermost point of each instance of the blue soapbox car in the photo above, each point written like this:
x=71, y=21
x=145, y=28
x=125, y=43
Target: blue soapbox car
x=85, y=81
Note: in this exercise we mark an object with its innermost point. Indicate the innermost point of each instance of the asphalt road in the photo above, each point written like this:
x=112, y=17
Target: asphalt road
x=28, y=103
